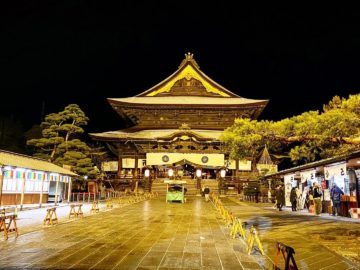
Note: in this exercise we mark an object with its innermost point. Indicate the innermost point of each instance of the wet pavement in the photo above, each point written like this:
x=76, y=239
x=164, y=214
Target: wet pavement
x=155, y=235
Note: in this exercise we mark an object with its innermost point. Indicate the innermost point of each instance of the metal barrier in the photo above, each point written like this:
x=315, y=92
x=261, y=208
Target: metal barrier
x=288, y=254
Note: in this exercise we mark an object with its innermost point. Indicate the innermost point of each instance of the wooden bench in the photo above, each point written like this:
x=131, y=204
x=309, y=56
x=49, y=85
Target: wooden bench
x=75, y=210
x=8, y=224
x=51, y=216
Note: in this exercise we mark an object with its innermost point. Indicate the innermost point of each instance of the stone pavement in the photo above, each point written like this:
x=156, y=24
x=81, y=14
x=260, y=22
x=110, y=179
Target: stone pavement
x=156, y=235
x=320, y=242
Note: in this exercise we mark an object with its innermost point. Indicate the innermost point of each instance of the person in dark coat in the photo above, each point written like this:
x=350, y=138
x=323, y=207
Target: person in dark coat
x=207, y=193
x=335, y=195
x=280, y=197
x=293, y=199
x=317, y=198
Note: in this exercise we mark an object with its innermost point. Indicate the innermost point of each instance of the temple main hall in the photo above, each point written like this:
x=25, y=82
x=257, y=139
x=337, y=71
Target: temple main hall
x=176, y=125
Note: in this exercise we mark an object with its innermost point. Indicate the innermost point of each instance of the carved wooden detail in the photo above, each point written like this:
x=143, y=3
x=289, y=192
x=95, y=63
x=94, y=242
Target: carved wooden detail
x=188, y=87
x=204, y=118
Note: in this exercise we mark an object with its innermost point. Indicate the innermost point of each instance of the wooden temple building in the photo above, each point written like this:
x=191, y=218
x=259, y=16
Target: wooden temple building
x=177, y=123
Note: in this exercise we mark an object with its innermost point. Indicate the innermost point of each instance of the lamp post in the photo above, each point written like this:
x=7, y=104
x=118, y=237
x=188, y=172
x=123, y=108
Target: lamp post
x=147, y=178
x=222, y=178
x=198, y=174
x=170, y=173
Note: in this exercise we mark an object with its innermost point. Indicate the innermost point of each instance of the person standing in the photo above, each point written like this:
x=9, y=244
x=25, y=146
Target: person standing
x=280, y=197
x=335, y=195
x=317, y=199
x=293, y=199
x=207, y=193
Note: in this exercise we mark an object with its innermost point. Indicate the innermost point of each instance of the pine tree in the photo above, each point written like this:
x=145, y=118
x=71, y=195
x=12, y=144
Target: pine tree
x=61, y=144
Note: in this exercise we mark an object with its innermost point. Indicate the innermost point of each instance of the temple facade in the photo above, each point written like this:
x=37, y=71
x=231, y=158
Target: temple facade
x=177, y=123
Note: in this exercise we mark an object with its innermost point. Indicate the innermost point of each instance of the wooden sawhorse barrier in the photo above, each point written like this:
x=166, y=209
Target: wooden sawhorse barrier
x=51, y=217
x=94, y=207
x=287, y=253
x=109, y=203
x=5, y=225
x=76, y=210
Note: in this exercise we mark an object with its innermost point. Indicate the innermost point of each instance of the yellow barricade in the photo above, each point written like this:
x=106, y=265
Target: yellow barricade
x=253, y=237
x=237, y=228
x=229, y=218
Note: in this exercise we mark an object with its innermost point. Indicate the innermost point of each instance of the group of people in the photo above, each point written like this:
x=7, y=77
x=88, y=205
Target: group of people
x=313, y=198
x=280, y=197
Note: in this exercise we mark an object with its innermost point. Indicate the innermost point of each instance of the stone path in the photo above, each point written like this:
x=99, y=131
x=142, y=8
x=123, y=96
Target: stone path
x=156, y=235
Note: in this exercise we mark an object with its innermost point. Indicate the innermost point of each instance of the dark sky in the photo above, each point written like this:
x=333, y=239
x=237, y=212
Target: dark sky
x=62, y=52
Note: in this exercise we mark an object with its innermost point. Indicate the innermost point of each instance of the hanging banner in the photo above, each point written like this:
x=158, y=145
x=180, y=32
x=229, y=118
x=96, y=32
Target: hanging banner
x=109, y=166
x=211, y=160
x=128, y=163
x=141, y=163
x=335, y=170
x=230, y=164
x=244, y=165
x=308, y=175
x=289, y=180
x=267, y=168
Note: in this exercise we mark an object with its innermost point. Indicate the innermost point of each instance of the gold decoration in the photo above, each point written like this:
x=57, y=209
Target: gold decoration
x=188, y=72
x=184, y=126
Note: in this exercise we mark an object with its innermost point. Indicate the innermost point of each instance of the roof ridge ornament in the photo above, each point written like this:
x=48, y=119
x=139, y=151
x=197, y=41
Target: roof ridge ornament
x=184, y=126
x=189, y=57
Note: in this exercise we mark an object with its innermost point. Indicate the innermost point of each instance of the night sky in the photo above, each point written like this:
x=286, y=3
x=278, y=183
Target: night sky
x=62, y=52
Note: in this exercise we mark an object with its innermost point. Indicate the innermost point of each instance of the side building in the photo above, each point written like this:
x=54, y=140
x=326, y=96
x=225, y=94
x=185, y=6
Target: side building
x=29, y=180
x=178, y=123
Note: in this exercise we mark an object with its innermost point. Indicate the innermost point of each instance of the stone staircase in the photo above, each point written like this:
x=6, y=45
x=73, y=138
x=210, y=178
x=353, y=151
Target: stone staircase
x=212, y=184
x=160, y=187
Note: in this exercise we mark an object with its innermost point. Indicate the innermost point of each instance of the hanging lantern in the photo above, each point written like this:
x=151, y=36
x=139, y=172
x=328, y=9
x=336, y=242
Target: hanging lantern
x=198, y=173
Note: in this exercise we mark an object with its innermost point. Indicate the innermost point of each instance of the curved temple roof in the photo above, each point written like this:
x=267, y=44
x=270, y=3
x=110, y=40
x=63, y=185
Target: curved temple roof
x=155, y=134
x=191, y=100
x=188, y=86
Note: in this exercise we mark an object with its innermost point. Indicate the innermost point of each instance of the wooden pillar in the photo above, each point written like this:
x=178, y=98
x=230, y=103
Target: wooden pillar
x=22, y=191
x=119, y=165
x=69, y=190
x=136, y=173
x=236, y=168
x=56, y=190
x=41, y=191
x=1, y=184
x=136, y=187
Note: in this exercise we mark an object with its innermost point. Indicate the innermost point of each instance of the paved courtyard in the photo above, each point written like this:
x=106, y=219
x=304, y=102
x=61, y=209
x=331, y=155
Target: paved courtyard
x=155, y=235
